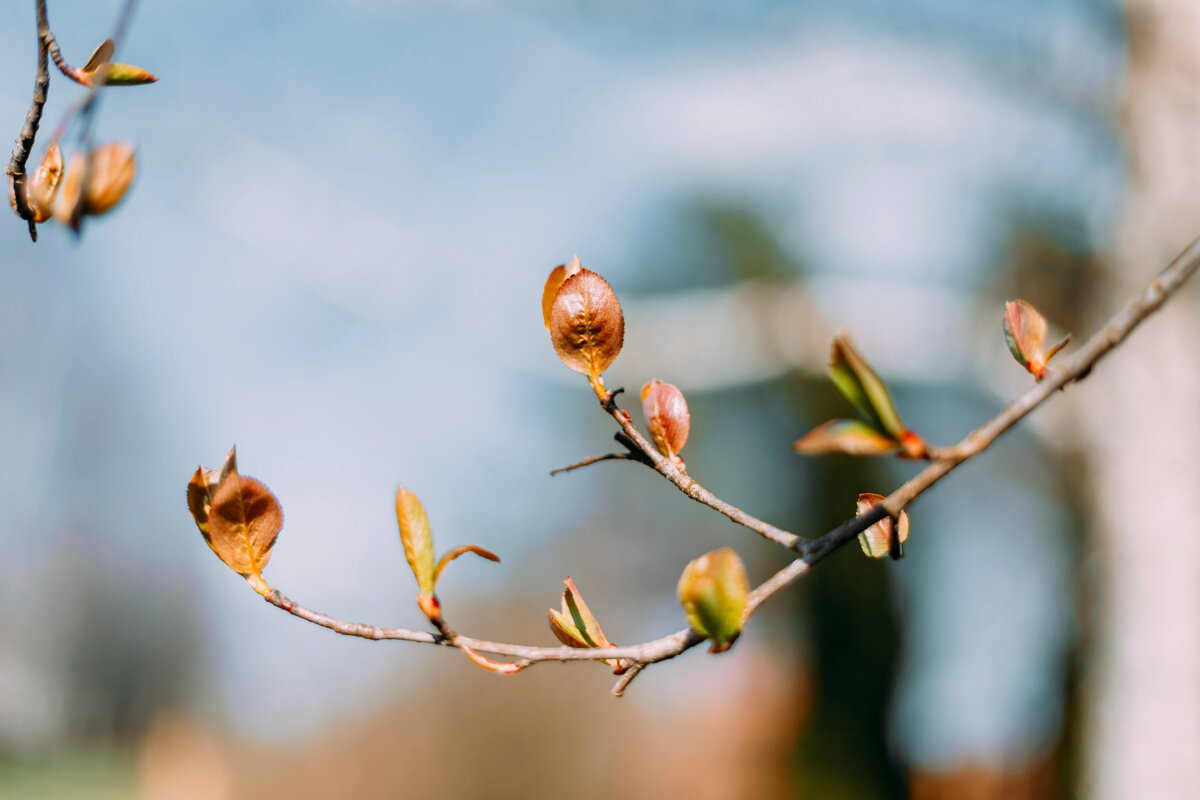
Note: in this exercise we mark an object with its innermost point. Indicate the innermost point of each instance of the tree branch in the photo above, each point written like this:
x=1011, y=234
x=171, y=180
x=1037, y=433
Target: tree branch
x=33, y=118
x=640, y=656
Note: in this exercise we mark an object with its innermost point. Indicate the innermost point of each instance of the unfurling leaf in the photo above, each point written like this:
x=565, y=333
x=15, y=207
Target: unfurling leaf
x=880, y=431
x=667, y=416
x=553, y=283
x=458, y=551
x=714, y=591
x=416, y=538
x=575, y=626
x=128, y=75
x=1025, y=334
x=877, y=541
x=114, y=74
x=586, y=325
x=863, y=389
x=239, y=518
x=849, y=436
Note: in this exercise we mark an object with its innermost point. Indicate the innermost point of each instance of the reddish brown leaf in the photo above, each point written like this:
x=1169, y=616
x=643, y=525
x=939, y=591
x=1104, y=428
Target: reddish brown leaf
x=586, y=324
x=243, y=520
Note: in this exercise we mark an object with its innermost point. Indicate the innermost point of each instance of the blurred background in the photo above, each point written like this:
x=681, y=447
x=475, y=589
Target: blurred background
x=333, y=256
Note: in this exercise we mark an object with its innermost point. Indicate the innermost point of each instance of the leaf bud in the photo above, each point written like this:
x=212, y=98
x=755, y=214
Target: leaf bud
x=667, y=416
x=876, y=541
x=1025, y=334
x=714, y=591
x=417, y=539
x=575, y=626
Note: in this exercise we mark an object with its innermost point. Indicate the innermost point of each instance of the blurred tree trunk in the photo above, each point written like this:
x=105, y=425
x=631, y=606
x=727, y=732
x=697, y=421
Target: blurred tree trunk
x=1143, y=414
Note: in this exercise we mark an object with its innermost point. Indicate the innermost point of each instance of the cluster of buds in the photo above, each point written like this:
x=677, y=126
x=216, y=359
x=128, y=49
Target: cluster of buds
x=93, y=183
x=587, y=329
x=92, y=186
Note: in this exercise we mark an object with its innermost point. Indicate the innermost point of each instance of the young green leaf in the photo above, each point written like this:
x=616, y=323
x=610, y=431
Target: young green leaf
x=666, y=416
x=587, y=327
x=713, y=590
x=417, y=539
x=553, y=283
x=849, y=436
x=128, y=75
x=117, y=74
x=863, y=389
x=877, y=541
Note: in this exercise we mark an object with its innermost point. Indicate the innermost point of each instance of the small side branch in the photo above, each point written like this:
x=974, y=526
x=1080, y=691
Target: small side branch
x=672, y=472
x=587, y=462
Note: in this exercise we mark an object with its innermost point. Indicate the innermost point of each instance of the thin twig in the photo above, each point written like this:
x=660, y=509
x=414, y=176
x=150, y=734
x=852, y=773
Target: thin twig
x=74, y=73
x=623, y=682
x=671, y=471
x=592, y=460
x=642, y=655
